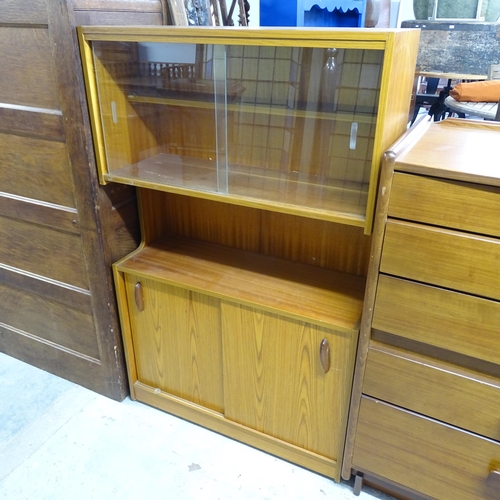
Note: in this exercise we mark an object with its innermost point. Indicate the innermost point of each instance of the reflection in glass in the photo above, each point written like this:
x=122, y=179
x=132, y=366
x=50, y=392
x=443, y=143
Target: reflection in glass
x=287, y=126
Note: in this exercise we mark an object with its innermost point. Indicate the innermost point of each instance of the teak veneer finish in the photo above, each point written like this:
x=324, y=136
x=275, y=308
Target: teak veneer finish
x=428, y=370
x=240, y=310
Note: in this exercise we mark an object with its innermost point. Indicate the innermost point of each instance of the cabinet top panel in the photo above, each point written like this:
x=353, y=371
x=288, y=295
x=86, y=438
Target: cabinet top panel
x=457, y=149
x=287, y=36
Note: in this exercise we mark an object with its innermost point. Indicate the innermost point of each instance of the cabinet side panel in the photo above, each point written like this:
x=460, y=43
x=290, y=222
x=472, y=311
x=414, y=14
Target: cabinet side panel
x=275, y=383
x=177, y=341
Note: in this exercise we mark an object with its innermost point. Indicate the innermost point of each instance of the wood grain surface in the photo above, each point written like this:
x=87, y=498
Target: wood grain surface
x=431, y=387
x=453, y=321
x=425, y=455
x=274, y=381
x=177, y=342
x=447, y=203
x=451, y=259
x=299, y=291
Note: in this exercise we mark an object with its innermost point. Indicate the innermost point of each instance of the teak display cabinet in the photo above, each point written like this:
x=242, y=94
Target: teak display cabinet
x=256, y=153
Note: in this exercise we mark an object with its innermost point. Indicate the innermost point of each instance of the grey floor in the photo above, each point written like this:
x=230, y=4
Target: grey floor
x=61, y=441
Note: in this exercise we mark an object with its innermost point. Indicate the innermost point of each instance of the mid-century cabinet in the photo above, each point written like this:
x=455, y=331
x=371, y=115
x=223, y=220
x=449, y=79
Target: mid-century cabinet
x=256, y=153
x=429, y=361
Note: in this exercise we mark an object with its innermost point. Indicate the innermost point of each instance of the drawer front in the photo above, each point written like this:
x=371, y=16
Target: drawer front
x=441, y=202
x=450, y=320
x=441, y=391
x=433, y=458
x=442, y=257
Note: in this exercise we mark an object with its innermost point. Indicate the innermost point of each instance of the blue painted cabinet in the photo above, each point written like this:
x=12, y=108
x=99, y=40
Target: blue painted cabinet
x=338, y=13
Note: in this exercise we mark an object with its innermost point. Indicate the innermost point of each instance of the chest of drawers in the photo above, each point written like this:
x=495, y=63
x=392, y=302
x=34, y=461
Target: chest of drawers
x=426, y=403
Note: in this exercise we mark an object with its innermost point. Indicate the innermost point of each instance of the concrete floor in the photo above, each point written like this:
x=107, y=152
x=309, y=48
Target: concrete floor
x=61, y=441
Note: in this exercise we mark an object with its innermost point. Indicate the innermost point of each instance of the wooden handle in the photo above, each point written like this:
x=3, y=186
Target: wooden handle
x=324, y=355
x=139, y=296
x=493, y=479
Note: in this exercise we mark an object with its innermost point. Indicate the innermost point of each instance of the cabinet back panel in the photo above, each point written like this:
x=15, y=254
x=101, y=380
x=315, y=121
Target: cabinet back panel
x=328, y=245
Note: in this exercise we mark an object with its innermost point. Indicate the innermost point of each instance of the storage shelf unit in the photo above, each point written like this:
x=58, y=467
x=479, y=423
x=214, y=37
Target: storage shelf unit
x=256, y=157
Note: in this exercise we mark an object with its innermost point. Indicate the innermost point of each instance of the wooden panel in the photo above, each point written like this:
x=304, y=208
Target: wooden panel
x=450, y=320
x=469, y=152
x=36, y=169
x=318, y=243
x=438, y=460
x=31, y=121
x=339, y=247
x=275, y=383
x=71, y=296
x=394, y=105
x=16, y=12
x=87, y=18
x=46, y=214
x=65, y=363
x=135, y=6
x=441, y=257
x=48, y=320
x=177, y=342
x=28, y=75
x=304, y=292
x=43, y=251
x=438, y=390
x=441, y=202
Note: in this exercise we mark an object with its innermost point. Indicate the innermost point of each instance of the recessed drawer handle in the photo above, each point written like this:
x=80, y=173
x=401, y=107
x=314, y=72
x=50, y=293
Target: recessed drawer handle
x=139, y=296
x=324, y=355
x=493, y=479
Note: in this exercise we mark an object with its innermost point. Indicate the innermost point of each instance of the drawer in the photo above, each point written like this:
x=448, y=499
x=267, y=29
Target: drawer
x=435, y=459
x=442, y=257
x=454, y=321
x=441, y=202
x=439, y=390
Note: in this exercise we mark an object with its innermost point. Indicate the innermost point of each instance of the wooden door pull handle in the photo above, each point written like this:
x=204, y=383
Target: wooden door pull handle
x=493, y=479
x=324, y=355
x=139, y=296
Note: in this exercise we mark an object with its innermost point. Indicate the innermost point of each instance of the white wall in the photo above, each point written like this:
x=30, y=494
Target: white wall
x=254, y=12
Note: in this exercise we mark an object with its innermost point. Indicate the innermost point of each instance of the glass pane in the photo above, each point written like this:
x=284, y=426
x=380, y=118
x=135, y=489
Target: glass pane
x=302, y=127
x=157, y=103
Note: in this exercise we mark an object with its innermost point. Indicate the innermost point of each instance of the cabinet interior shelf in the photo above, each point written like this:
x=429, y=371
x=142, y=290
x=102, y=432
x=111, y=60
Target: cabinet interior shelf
x=300, y=291
x=243, y=107
x=289, y=192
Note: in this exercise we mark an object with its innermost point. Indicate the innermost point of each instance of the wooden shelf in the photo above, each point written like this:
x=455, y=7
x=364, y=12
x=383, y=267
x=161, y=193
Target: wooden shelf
x=303, y=292
x=311, y=196
x=256, y=109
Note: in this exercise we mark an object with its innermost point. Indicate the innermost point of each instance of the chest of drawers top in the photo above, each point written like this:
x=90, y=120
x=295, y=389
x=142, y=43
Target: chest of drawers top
x=456, y=149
